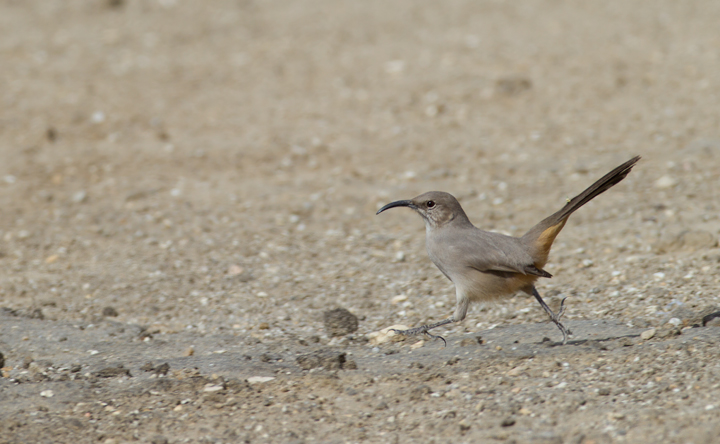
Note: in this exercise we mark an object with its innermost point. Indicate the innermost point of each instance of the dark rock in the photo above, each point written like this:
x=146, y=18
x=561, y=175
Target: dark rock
x=37, y=314
x=268, y=357
x=508, y=422
x=161, y=369
x=74, y=424
x=452, y=361
x=512, y=85
x=340, y=322
x=2, y=360
x=51, y=134
x=326, y=359
x=419, y=392
x=112, y=372
x=109, y=312
x=27, y=361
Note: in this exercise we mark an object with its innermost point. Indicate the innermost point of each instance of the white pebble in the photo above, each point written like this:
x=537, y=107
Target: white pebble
x=659, y=275
x=212, y=388
x=675, y=321
x=394, y=66
x=47, y=394
x=9, y=178
x=665, y=182
x=98, y=117
x=399, y=298
x=79, y=197
x=259, y=379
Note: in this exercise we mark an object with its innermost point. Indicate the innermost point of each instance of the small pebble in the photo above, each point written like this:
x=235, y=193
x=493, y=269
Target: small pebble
x=665, y=182
x=399, y=298
x=647, y=334
x=675, y=321
x=235, y=270
x=259, y=379
x=79, y=197
x=47, y=394
x=109, y=312
x=508, y=422
x=417, y=345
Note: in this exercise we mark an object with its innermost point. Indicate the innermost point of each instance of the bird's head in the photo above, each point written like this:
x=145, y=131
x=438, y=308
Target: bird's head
x=437, y=208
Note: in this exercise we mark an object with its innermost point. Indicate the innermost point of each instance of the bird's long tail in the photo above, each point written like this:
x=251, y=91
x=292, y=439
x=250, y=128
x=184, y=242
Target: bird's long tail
x=542, y=235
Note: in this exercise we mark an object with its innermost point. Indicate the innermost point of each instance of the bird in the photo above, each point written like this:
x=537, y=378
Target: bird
x=485, y=265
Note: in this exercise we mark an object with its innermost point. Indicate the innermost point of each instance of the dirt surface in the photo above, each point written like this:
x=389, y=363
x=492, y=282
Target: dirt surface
x=194, y=184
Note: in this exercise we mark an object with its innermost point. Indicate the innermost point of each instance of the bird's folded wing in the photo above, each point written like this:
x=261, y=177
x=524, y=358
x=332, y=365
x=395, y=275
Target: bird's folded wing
x=495, y=252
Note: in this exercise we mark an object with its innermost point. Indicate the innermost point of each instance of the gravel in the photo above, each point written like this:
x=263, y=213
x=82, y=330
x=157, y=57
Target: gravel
x=194, y=186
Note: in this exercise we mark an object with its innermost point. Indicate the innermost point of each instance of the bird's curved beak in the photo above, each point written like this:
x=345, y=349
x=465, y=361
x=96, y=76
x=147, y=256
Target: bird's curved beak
x=397, y=203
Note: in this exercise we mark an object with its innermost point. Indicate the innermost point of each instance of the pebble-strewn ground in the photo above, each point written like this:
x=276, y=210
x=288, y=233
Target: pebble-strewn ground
x=195, y=183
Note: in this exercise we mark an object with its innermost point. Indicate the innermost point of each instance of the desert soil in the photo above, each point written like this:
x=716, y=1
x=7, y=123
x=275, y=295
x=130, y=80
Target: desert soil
x=186, y=188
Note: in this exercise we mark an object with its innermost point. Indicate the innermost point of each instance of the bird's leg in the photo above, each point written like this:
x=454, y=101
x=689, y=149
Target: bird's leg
x=425, y=329
x=553, y=317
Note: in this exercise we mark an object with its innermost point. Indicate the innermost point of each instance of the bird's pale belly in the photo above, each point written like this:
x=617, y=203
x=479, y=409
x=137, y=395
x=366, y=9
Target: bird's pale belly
x=487, y=286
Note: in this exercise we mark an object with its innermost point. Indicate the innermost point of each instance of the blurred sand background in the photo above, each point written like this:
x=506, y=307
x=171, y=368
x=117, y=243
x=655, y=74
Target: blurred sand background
x=207, y=173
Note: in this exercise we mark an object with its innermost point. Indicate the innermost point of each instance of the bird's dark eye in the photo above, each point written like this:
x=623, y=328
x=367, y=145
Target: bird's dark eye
x=430, y=204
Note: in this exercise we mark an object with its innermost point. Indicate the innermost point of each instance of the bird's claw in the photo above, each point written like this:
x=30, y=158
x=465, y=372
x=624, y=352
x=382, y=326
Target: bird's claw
x=418, y=330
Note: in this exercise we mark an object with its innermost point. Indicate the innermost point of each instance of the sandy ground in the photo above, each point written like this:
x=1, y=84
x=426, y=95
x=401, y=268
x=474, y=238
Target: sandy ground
x=194, y=184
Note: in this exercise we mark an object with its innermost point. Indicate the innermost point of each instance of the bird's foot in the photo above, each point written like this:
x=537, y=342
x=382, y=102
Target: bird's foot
x=420, y=330
x=556, y=320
